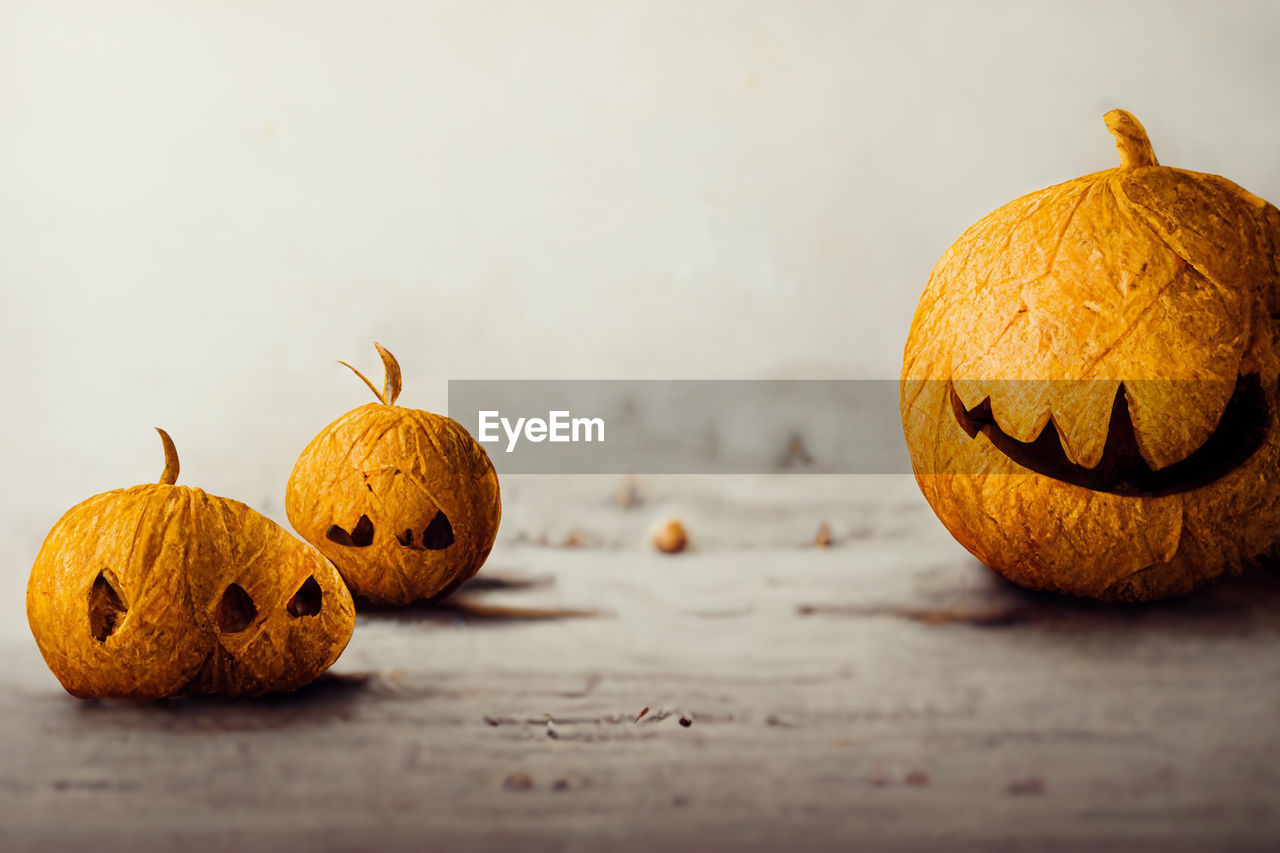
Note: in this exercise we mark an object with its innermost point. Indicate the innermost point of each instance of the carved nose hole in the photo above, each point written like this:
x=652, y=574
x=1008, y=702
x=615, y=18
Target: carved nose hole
x=236, y=610
x=106, y=606
x=360, y=537
x=439, y=533
x=307, y=600
x=406, y=538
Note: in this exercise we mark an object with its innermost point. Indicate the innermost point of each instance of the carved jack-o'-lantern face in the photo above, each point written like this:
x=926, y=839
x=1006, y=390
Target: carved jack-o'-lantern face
x=403, y=501
x=162, y=590
x=1089, y=389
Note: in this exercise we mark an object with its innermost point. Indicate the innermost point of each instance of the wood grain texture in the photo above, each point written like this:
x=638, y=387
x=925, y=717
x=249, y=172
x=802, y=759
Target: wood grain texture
x=885, y=691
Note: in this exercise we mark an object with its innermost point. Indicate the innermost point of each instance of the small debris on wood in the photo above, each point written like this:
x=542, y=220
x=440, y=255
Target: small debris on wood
x=796, y=453
x=822, y=539
x=488, y=581
x=628, y=493
x=493, y=721
x=518, y=782
x=680, y=800
x=916, y=778
x=1030, y=786
x=560, y=785
x=649, y=718
x=640, y=716
x=775, y=720
x=984, y=615
x=880, y=779
x=575, y=539
x=475, y=610
x=551, y=729
x=686, y=720
x=593, y=681
x=670, y=537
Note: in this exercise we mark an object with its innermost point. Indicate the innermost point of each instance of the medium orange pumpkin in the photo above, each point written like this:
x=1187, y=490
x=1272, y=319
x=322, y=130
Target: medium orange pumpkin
x=404, y=502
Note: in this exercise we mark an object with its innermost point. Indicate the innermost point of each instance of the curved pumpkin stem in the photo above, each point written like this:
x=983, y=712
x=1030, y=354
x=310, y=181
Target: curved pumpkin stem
x=1131, y=140
x=391, y=371
x=170, y=474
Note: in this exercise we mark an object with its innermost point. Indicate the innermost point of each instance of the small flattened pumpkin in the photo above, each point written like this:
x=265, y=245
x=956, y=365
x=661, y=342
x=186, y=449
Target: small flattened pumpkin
x=162, y=590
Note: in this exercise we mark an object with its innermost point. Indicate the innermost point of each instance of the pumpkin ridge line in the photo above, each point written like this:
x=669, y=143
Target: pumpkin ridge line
x=388, y=426
x=219, y=582
x=247, y=563
x=423, y=428
x=1087, y=186
x=1066, y=225
x=328, y=438
x=1145, y=217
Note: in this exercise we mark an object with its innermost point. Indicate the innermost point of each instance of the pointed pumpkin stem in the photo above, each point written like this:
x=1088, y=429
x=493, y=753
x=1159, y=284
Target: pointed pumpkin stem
x=170, y=474
x=1131, y=140
x=391, y=371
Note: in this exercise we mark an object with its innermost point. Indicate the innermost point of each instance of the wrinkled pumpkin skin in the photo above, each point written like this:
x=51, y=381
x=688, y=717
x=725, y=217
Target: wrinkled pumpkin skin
x=126, y=599
x=407, y=472
x=1045, y=308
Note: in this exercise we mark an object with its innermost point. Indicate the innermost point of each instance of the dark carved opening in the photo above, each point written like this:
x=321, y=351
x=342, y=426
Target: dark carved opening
x=1240, y=432
x=406, y=538
x=106, y=606
x=439, y=533
x=307, y=600
x=236, y=610
x=360, y=537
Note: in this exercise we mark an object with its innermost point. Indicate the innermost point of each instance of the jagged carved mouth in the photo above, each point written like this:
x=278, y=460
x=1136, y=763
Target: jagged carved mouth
x=1122, y=470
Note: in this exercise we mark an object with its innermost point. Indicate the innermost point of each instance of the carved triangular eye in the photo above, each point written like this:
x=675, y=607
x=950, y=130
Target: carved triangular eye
x=360, y=537
x=106, y=606
x=307, y=600
x=439, y=533
x=236, y=610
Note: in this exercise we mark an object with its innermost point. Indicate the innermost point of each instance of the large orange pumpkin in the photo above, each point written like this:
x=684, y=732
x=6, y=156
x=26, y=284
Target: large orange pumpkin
x=1089, y=388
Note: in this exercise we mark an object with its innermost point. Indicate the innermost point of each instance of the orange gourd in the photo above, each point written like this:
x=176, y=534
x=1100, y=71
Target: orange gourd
x=1089, y=386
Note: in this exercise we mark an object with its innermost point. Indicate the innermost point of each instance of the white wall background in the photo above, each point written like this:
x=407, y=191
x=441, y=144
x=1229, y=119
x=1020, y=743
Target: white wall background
x=204, y=204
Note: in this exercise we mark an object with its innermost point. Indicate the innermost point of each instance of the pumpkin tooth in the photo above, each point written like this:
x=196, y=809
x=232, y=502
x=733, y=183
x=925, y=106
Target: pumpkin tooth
x=1021, y=407
x=1173, y=419
x=1082, y=415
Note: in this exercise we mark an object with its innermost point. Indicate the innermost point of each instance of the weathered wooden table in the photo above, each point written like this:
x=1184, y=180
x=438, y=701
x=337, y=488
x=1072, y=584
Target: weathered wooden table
x=883, y=693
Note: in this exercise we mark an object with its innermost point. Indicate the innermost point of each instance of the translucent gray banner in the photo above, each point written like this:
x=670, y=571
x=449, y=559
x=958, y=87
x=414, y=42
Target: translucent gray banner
x=684, y=427
x=855, y=426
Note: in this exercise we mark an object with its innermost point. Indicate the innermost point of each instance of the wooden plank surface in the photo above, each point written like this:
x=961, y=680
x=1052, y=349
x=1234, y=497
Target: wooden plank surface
x=886, y=691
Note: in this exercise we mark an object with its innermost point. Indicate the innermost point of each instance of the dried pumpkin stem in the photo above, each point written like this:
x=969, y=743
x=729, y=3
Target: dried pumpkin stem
x=391, y=370
x=391, y=373
x=170, y=474
x=1131, y=140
